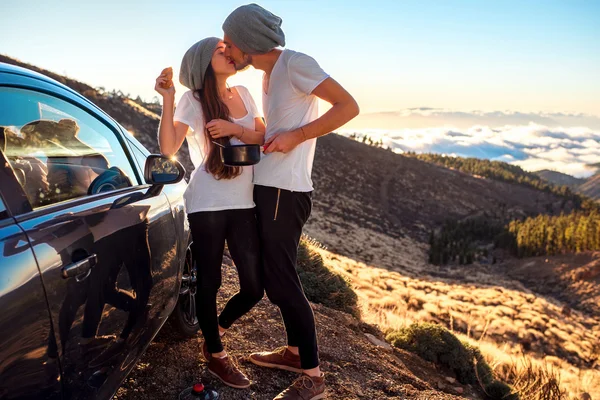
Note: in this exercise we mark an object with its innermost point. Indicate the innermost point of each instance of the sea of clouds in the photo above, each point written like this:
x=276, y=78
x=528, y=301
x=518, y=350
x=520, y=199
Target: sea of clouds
x=559, y=142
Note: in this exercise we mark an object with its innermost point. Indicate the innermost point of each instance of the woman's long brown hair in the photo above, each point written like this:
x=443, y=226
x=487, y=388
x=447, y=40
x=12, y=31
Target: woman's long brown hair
x=214, y=108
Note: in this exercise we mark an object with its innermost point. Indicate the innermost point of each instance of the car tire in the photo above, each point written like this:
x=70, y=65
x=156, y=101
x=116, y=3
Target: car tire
x=183, y=319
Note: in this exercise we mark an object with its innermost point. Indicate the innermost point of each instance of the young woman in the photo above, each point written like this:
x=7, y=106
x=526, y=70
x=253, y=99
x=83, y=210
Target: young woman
x=219, y=198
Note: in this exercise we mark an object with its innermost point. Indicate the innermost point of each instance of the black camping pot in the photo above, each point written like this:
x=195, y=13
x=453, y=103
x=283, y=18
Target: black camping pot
x=239, y=155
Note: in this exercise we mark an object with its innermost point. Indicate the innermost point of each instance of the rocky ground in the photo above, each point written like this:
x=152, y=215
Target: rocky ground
x=356, y=368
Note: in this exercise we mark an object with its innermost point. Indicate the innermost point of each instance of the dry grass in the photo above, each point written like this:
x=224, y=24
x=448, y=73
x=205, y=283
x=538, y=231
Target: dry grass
x=526, y=338
x=531, y=381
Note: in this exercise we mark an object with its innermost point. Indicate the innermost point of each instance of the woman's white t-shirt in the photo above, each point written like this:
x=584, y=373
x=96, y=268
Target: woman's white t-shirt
x=204, y=192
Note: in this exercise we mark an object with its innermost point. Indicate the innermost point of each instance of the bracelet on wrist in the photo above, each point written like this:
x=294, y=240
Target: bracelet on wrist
x=303, y=134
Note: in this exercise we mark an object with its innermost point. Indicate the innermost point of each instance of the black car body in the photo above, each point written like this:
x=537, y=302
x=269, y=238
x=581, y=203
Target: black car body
x=92, y=245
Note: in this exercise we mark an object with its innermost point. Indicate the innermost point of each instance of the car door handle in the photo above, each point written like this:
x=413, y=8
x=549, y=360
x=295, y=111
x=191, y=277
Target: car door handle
x=80, y=269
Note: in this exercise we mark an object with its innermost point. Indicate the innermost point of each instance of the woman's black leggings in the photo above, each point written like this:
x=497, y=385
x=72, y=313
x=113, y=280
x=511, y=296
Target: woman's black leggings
x=210, y=230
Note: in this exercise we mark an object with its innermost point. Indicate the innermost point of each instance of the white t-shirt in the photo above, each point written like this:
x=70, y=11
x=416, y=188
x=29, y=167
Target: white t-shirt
x=204, y=192
x=288, y=105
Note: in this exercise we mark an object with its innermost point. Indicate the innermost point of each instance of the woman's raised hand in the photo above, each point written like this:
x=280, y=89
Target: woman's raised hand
x=164, y=83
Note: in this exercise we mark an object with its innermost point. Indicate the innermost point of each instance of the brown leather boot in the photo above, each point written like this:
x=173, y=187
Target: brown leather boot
x=227, y=370
x=280, y=358
x=305, y=388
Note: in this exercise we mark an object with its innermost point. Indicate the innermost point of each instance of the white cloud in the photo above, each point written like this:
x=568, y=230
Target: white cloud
x=531, y=146
x=424, y=117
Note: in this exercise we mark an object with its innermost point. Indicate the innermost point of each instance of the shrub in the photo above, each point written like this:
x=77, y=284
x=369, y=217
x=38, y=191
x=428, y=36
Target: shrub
x=457, y=241
x=321, y=285
x=532, y=382
x=436, y=344
x=500, y=390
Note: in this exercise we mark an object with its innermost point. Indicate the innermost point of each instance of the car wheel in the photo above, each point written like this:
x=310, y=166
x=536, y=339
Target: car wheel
x=184, y=318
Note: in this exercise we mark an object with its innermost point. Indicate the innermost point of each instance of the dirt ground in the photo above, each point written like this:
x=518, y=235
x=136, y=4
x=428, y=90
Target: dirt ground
x=355, y=368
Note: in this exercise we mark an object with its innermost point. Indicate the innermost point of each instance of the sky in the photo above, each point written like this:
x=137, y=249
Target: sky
x=533, y=58
x=476, y=55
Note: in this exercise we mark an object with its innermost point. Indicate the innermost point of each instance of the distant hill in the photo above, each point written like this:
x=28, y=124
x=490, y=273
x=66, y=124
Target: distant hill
x=499, y=171
x=559, y=178
x=400, y=194
x=591, y=187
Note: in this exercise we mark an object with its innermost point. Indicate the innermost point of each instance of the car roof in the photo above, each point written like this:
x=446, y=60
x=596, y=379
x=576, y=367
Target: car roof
x=9, y=69
x=16, y=70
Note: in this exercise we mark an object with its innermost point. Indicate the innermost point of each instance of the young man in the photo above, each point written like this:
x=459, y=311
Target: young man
x=292, y=84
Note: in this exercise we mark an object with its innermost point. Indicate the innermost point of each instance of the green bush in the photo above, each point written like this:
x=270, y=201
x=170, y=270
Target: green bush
x=457, y=241
x=321, y=285
x=500, y=390
x=436, y=344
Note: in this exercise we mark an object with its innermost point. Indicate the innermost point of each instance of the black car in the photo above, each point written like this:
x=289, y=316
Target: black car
x=94, y=244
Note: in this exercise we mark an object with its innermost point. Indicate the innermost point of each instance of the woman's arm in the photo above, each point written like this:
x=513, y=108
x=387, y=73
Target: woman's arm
x=258, y=135
x=171, y=134
x=218, y=128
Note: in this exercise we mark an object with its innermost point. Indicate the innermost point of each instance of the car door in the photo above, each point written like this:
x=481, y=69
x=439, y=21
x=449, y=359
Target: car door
x=29, y=366
x=107, y=253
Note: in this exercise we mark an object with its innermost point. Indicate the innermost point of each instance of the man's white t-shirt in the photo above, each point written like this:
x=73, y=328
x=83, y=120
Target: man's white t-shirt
x=289, y=105
x=204, y=192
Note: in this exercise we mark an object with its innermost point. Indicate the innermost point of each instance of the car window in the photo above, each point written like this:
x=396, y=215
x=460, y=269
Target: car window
x=139, y=155
x=3, y=212
x=57, y=150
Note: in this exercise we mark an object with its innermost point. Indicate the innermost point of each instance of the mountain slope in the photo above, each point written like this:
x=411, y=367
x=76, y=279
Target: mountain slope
x=559, y=179
x=378, y=207
x=591, y=187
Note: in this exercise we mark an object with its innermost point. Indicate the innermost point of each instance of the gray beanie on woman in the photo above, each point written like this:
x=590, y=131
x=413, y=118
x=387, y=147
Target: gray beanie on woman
x=195, y=62
x=254, y=30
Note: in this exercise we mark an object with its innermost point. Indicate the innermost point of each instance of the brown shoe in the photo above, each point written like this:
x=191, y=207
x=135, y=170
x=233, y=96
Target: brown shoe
x=305, y=388
x=280, y=358
x=227, y=370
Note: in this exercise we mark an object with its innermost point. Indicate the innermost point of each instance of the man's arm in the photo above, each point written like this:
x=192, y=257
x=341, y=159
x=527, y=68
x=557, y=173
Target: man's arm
x=343, y=109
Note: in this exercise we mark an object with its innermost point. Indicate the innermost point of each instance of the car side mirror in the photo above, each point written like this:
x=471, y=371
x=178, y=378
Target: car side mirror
x=162, y=170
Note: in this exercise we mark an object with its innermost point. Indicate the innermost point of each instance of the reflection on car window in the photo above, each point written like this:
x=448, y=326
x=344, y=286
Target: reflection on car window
x=2, y=210
x=57, y=150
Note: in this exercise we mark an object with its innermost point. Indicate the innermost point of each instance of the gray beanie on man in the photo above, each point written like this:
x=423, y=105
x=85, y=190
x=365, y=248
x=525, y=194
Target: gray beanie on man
x=254, y=30
x=195, y=62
